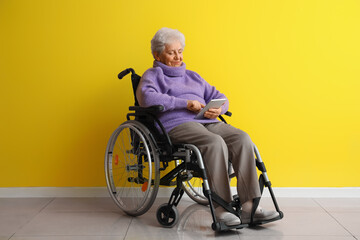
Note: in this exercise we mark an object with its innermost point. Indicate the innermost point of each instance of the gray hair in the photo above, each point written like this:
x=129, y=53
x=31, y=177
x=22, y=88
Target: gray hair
x=165, y=36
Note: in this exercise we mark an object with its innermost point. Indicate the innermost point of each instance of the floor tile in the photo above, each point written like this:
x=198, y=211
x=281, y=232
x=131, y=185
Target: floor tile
x=22, y=206
x=350, y=221
x=66, y=238
x=194, y=223
x=292, y=204
x=296, y=238
x=82, y=205
x=300, y=224
x=195, y=220
x=9, y=224
x=340, y=204
x=16, y=212
x=77, y=223
x=4, y=237
x=101, y=219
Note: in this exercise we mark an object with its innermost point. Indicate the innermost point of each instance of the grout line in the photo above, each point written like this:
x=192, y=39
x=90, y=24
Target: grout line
x=127, y=230
x=46, y=205
x=334, y=218
x=32, y=217
x=11, y=236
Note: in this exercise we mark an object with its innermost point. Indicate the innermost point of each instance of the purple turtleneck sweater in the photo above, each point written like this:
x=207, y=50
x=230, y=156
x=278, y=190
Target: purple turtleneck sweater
x=171, y=87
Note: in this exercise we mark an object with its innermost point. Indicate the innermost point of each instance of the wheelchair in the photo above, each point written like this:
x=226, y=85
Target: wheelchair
x=140, y=148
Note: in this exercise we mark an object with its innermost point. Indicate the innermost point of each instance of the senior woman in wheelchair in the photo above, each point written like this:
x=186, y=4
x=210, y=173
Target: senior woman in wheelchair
x=183, y=93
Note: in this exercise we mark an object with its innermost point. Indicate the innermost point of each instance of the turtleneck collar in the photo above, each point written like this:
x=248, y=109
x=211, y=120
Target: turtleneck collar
x=171, y=71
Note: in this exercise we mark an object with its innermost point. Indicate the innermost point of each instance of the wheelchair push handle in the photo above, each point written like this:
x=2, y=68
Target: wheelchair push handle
x=126, y=72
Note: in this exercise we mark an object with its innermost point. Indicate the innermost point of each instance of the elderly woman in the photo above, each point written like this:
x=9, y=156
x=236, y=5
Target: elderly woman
x=183, y=93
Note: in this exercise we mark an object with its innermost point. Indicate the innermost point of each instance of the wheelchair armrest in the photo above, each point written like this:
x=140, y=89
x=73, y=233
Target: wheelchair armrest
x=228, y=113
x=150, y=112
x=151, y=109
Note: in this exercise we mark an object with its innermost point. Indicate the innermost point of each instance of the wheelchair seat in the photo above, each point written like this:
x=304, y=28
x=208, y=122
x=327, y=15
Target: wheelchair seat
x=140, y=148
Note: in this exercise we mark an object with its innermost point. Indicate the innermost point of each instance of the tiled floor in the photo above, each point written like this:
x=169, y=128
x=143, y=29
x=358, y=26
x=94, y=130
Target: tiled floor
x=99, y=218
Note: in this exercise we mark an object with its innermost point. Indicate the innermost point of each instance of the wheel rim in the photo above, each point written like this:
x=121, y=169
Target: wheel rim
x=132, y=169
x=194, y=188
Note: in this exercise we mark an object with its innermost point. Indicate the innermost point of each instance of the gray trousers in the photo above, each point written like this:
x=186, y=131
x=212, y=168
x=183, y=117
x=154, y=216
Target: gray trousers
x=218, y=144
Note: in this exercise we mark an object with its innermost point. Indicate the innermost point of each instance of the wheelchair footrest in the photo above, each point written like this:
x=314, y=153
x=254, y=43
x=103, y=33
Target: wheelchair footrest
x=253, y=224
x=220, y=226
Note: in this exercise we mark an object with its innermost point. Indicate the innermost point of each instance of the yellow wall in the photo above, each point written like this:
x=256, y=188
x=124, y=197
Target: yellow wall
x=289, y=68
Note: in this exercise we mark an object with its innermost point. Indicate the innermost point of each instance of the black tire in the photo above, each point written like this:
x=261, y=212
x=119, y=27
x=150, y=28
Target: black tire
x=167, y=216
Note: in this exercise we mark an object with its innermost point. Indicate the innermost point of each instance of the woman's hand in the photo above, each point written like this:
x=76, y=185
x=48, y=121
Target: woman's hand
x=212, y=113
x=194, y=106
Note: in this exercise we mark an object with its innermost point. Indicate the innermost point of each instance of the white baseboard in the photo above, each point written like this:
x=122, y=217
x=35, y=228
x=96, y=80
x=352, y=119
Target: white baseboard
x=26, y=192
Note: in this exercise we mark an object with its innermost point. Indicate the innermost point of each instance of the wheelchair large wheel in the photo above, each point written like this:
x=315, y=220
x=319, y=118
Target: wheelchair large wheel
x=132, y=168
x=194, y=188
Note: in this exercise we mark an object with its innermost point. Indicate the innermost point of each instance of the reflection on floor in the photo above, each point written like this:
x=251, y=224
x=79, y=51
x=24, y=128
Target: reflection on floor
x=99, y=218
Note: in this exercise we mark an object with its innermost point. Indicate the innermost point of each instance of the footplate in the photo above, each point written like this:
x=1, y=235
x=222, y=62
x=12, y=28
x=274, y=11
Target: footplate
x=253, y=224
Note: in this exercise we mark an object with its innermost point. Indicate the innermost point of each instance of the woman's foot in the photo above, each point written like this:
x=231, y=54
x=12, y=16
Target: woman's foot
x=260, y=213
x=226, y=217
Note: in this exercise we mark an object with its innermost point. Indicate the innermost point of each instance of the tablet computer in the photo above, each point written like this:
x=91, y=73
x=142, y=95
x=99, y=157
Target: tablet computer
x=214, y=103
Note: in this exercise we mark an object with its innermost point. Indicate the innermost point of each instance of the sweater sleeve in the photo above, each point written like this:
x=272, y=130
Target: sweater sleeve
x=212, y=93
x=149, y=93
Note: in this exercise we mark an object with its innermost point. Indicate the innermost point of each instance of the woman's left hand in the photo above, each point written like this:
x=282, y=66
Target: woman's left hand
x=212, y=113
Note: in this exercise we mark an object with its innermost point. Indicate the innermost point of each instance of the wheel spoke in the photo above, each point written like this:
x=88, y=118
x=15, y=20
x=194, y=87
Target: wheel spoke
x=193, y=188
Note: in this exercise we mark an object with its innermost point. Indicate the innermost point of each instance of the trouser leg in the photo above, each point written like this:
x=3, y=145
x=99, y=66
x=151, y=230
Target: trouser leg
x=214, y=152
x=241, y=154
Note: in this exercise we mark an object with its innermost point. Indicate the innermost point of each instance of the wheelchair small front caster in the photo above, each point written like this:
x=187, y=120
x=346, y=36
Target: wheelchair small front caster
x=167, y=215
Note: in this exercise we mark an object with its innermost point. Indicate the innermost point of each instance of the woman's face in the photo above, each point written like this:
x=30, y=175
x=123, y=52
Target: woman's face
x=172, y=55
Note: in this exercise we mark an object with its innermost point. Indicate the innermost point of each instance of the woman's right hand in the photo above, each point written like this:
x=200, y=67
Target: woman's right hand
x=194, y=106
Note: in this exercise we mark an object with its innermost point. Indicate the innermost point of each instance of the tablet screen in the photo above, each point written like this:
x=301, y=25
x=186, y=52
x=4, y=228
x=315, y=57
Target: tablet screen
x=214, y=103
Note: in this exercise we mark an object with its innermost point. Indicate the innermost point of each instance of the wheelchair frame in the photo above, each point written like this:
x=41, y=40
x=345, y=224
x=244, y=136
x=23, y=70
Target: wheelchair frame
x=145, y=149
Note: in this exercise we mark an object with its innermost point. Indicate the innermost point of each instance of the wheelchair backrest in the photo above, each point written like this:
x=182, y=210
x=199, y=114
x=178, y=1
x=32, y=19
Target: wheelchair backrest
x=135, y=80
x=149, y=122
